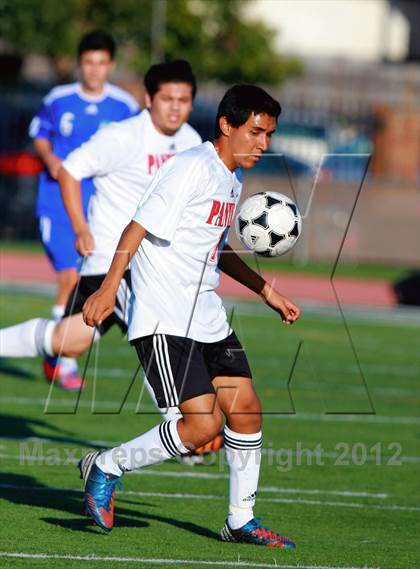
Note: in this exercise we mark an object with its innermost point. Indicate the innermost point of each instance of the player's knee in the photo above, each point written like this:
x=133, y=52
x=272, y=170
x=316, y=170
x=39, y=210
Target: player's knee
x=66, y=344
x=207, y=427
x=246, y=414
x=72, y=351
x=253, y=406
x=242, y=423
x=205, y=436
x=68, y=276
x=77, y=346
x=247, y=404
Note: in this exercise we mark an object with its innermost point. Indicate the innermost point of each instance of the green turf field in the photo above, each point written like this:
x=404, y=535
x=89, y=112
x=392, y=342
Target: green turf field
x=370, y=271
x=345, y=487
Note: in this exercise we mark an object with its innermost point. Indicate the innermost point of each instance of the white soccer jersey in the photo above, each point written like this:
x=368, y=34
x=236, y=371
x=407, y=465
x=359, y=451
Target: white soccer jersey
x=122, y=158
x=186, y=211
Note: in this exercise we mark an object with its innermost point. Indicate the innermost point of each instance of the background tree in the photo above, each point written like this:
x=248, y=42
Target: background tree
x=216, y=36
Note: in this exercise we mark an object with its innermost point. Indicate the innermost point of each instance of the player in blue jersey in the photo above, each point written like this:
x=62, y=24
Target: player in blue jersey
x=70, y=115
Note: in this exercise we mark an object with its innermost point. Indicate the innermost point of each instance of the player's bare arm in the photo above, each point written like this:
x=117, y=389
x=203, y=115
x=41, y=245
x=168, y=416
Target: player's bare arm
x=44, y=150
x=232, y=265
x=72, y=198
x=101, y=304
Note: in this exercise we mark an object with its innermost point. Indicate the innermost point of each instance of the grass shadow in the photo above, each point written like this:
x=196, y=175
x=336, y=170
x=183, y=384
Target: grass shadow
x=26, y=490
x=18, y=427
x=13, y=371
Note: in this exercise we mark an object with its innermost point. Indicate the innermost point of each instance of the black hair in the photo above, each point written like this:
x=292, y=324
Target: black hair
x=178, y=71
x=240, y=101
x=97, y=39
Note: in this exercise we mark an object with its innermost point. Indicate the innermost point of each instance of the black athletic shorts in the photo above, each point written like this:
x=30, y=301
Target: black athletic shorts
x=179, y=369
x=89, y=284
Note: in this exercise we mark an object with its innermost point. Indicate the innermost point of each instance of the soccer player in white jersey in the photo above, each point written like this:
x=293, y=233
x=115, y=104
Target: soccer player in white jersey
x=122, y=159
x=70, y=115
x=178, y=325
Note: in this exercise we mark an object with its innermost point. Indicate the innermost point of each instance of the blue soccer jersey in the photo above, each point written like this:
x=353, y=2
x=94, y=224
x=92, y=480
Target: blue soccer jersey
x=67, y=118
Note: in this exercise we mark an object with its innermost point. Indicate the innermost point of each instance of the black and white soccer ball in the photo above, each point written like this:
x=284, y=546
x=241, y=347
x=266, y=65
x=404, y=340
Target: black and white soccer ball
x=269, y=224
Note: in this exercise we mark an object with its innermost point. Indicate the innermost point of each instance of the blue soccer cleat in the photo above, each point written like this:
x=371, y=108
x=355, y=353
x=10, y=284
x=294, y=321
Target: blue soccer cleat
x=254, y=532
x=99, y=491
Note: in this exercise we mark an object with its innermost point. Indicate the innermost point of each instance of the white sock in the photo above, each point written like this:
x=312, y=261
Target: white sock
x=29, y=339
x=158, y=444
x=68, y=365
x=243, y=453
x=168, y=413
x=57, y=312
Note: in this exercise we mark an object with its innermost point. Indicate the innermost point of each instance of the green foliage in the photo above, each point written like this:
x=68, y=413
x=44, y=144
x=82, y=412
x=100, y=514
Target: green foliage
x=46, y=27
x=216, y=36
x=222, y=44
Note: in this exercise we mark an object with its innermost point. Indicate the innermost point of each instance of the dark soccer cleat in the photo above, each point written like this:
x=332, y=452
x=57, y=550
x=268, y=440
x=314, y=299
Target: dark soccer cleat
x=99, y=491
x=254, y=532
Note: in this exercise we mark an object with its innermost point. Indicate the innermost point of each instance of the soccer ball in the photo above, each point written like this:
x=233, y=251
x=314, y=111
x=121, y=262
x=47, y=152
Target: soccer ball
x=269, y=224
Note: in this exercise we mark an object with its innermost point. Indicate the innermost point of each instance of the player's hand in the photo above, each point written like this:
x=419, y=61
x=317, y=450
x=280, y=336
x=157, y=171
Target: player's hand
x=98, y=307
x=85, y=244
x=53, y=165
x=288, y=311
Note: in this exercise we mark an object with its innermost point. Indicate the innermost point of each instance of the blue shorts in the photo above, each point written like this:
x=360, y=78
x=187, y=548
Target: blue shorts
x=56, y=231
x=58, y=239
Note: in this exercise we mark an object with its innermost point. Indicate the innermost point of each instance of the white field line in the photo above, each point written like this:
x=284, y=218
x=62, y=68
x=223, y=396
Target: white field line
x=151, y=409
x=377, y=369
x=332, y=455
x=178, y=562
x=58, y=462
x=368, y=368
x=374, y=368
x=350, y=369
x=263, y=489
x=183, y=496
x=350, y=418
x=109, y=444
x=52, y=440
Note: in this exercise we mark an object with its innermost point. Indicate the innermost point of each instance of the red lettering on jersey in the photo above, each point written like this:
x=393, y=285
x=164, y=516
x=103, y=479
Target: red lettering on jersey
x=214, y=211
x=228, y=214
x=231, y=211
x=220, y=218
x=221, y=214
x=150, y=163
x=155, y=161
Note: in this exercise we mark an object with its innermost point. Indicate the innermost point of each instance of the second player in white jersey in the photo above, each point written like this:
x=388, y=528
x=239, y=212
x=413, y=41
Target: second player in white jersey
x=122, y=158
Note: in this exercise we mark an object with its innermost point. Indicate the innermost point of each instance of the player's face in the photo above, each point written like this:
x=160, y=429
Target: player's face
x=95, y=66
x=249, y=141
x=170, y=107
